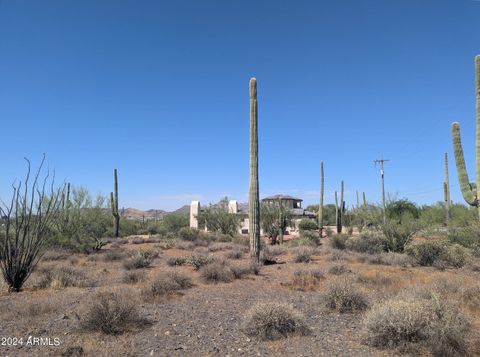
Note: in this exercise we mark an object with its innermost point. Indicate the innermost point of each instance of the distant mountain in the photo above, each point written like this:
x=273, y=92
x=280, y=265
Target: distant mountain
x=152, y=214
x=137, y=214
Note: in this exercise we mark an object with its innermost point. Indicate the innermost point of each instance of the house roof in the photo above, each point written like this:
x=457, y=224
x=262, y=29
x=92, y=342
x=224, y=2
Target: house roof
x=281, y=197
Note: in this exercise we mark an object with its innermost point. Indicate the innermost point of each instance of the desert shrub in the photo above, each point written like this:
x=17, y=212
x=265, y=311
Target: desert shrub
x=397, y=321
x=218, y=246
x=139, y=261
x=307, y=224
x=328, y=232
x=370, y=243
x=467, y=236
x=398, y=235
x=310, y=236
x=137, y=240
x=303, y=255
x=306, y=280
x=275, y=250
x=166, y=284
x=338, y=269
x=337, y=255
x=112, y=314
x=241, y=240
x=403, y=322
x=239, y=271
x=113, y=255
x=53, y=255
x=234, y=254
x=198, y=261
x=189, y=234
x=427, y=252
x=185, y=245
x=173, y=222
x=255, y=267
x=133, y=276
x=267, y=257
x=271, y=321
x=176, y=261
x=62, y=277
x=300, y=242
x=456, y=255
x=150, y=253
x=344, y=295
x=217, y=272
x=388, y=258
x=338, y=241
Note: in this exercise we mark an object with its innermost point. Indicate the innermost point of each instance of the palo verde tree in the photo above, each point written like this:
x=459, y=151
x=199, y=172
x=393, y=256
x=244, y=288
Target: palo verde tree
x=470, y=190
x=275, y=217
x=217, y=218
x=27, y=222
x=253, y=197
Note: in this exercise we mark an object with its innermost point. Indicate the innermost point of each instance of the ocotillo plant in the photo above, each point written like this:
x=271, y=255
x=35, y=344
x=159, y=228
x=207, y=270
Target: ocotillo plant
x=320, y=206
x=446, y=189
x=470, y=190
x=66, y=203
x=253, y=197
x=114, y=205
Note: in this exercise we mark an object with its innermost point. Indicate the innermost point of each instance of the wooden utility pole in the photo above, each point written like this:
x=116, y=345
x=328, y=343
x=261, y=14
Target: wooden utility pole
x=382, y=172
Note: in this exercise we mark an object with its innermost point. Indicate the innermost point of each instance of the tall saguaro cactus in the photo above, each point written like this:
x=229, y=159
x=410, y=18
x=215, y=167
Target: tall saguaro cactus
x=446, y=189
x=470, y=190
x=253, y=197
x=114, y=205
x=320, y=206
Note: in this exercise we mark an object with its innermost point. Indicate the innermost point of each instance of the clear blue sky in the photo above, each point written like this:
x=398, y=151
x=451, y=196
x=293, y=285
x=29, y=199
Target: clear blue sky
x=159, y=89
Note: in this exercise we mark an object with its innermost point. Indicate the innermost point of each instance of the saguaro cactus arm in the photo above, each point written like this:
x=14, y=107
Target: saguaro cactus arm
x=468, y=189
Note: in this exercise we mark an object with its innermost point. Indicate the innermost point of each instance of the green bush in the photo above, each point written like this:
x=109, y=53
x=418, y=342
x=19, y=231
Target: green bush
x=467, y=236
x=433, y=252
x=370, y=243
x=427, y=252
x=311, y=236
x=398, y=235
x=307, y=224
x=338, y=241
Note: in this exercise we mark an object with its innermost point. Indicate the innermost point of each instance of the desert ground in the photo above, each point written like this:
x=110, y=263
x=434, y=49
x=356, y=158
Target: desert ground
x=206, y=315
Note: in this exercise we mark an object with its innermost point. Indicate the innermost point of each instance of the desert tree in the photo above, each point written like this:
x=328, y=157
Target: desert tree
x=27, y=221
x=217, y=218
x=275, y=217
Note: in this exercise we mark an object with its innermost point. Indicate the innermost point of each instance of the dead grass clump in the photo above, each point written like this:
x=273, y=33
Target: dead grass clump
x=272, y=321
x=167, y=284
x=275, y=250
x=388, y=258
x=62, y=277
x=139, y=261
x=53, y=255
x=344, y=295
x=185, y=245
x=306, y=280
x=133, y=276
x=137, y=240
x=111, y=314
x=218, y=246
x=337, y=255
x=234, y=254
x=217, y=272
x=405, y=322
x=303, y=255
x=338, y=269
